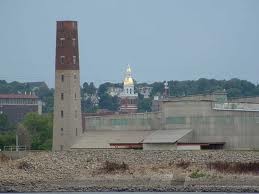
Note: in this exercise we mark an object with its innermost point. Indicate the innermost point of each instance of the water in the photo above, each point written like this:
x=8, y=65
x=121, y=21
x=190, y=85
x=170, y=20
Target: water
x=134, y=193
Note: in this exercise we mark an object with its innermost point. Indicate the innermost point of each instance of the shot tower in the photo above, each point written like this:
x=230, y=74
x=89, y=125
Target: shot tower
x=67, y=123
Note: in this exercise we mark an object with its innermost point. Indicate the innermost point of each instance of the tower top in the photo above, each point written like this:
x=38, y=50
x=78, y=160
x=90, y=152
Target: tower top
x=128, y=80
x=67, y=57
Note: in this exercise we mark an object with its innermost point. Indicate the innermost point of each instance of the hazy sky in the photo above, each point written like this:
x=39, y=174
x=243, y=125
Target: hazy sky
x=161, y=39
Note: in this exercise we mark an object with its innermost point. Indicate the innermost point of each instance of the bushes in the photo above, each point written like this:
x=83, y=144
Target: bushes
x=40, y=130
x=3, y=158
x=7, y=139
x=24, y=165
x=183, y=164
x=197, y=174
x=235, y=167
x=113, y=166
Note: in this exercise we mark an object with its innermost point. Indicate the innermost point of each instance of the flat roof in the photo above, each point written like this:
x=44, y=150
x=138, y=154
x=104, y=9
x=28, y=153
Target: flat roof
x=103, y=138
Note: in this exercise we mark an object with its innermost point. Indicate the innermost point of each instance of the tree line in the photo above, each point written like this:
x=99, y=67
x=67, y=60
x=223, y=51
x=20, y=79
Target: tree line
x=35, y=130
x=89, y=92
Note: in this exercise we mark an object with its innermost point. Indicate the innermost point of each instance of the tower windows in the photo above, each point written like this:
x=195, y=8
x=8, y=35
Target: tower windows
x=75, y=96
x=75, y=113
x=62, y=77
x=76, y=131
x=61, y=129
x=62, y=96
x=74, y=60
x=62, y=114
x=130, y=90
x=62, y=59
x=74, y=42
x=62, y=42
x=127, y=90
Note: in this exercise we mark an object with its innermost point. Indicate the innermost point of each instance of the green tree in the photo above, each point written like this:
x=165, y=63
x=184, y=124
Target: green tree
x=4, y=124
x=144, y=104
x=7, y=138
x=108, y=102
x=40, y=129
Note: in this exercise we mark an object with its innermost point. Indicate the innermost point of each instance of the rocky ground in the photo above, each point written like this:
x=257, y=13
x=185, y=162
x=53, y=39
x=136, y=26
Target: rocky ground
x=131, y=170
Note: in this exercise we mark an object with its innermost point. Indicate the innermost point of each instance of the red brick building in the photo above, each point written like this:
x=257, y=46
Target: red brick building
x=16, y=106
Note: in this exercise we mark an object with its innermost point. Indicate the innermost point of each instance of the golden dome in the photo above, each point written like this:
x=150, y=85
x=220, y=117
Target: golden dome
x=128, y=81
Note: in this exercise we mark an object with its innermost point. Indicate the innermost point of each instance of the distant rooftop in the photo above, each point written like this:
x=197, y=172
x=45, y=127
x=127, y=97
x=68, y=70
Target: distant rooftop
x=17, y=96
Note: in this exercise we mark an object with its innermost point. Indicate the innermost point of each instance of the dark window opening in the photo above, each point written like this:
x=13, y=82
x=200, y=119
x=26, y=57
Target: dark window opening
x=62, y=96
x=212, y=147
x=62, y=78
x=62, y=59
x=62, y=114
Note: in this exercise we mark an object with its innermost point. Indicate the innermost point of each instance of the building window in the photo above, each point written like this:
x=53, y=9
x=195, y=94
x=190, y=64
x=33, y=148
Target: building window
x=74, y=42
x=75, y=113
x=62, y=114
x=74, y=76
x=61, y=147
x=127, y=90
x=75, y=95
x=62, y=59
x=62, y=130
x=130, y=90
x=62, y=78
x=62, y=96
x=74, y=60
x=76, y=131
x=61, y=42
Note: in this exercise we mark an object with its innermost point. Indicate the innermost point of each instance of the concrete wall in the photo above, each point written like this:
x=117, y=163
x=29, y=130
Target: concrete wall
x=239, y=129
x=246, y=99
x=188, y=147
x=134, y=121
x=159, y=146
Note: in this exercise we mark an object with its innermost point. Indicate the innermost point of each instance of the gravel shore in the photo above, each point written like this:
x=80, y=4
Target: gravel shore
x=144, y=171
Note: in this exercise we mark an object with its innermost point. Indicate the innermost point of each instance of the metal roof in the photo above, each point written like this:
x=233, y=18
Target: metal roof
x=103, y=138
x=166, y=136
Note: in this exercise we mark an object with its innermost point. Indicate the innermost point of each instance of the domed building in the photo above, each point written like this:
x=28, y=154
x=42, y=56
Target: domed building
x=128, y=98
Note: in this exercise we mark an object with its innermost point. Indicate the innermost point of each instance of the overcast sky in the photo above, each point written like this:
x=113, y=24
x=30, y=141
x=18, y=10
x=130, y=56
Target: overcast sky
x=161, y=39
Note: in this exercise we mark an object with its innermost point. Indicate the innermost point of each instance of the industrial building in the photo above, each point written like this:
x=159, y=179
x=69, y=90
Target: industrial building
x=183, y=123
x=207, y=121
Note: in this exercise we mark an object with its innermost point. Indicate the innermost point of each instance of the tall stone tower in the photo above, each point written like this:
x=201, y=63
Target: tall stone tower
x=67, y=123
